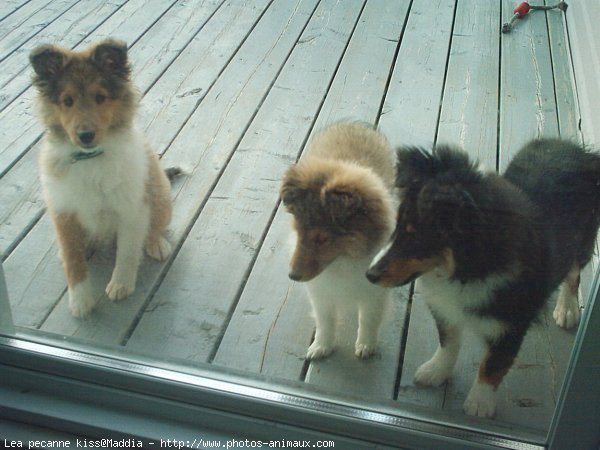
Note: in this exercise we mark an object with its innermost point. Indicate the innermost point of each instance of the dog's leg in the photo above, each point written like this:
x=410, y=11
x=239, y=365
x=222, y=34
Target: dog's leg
x=72, y=241
x=370, y=315
x=481, y=400
x=566, y=313
x=324, y=313
x=439, y=368
x=130, y=243
x=159, y=196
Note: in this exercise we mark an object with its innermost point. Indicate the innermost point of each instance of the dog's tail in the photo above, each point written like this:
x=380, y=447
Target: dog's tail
x=173, y=172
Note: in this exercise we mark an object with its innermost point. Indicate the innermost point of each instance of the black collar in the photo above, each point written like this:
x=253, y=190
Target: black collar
x=80, y=156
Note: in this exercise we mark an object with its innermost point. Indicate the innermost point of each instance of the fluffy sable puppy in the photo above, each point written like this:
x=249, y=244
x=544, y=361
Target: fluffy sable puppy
x=339, y=196
x=490, y=249
x=100, y=178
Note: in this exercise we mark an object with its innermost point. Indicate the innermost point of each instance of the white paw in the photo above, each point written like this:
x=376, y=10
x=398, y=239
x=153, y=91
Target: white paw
x=432, y=373
x=159, y=250
x=318, y=350
x=364, y=350
x=81, y=299
x=566, y=314
x=481, y=401
x=120, y=287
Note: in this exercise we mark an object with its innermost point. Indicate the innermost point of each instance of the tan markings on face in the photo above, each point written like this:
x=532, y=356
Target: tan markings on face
x=501, y=362
x=400, y=270
x=448, y=261
x=72, y=240
x=90, y=110
x=315, y=249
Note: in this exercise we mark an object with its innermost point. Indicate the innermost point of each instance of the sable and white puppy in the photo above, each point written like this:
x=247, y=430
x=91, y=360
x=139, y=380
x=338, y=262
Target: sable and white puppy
x=100, y=178
x=339, y=196
x=490, y=249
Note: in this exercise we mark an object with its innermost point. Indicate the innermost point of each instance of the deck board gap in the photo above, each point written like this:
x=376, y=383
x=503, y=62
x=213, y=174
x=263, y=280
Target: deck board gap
x=37, y=31
x=499, y=99
x=445, y=78
x=151, y=25
x=392, y=65
x=216, y=78
x=183, y=48
x=556, y=99
x=242, y=286
x=35, y=142
x=404, y=342
x=9, y=13
x=24, y=232
x=20, y=73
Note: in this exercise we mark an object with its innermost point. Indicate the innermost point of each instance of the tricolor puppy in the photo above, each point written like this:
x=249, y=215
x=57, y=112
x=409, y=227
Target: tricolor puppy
x=100, y=178
x=490, y=249
x=340, y=197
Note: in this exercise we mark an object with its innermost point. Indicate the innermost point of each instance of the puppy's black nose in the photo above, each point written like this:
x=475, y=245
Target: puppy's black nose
x=373, y=276
x=295, y=276
x=87, y=137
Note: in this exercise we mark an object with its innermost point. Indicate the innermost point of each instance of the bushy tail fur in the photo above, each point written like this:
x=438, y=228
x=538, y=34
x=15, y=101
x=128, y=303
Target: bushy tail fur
x=173, y=172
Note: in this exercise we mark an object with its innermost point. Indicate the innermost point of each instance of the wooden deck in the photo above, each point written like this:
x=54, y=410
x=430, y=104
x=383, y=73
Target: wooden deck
x=233, y=89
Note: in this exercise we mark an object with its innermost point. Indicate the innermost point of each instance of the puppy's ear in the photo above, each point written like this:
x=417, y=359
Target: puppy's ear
x=413, y=165
x=292, y=192
x=47, y=61
x=450, y=208
x=342, y=204
x=111, y=56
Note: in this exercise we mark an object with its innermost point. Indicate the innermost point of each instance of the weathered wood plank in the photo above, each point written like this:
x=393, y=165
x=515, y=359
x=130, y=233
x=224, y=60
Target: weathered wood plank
x=231, y=227
x=28, y=21
x=411, y=109
x=255, y=341
x=469, y=114
x=527, y=103
x=564, y=81
x=36, y=276
x=9, y=7
x=179, y=91
x=222, y=119
x=19, y=191
x=421, y=342
x=74, y=24
x=271, y=327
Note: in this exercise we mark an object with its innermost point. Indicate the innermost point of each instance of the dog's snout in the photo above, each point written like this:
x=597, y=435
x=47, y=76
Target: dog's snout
x=295, y=276
x=373, y=276
x=86, y=137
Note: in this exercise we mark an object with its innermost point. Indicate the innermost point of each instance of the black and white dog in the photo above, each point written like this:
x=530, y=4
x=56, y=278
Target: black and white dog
x=489, y=250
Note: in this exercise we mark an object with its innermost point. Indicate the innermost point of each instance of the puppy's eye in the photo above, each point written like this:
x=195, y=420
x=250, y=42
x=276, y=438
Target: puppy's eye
x=68, y=101
x=321, y=239
x=100, y=98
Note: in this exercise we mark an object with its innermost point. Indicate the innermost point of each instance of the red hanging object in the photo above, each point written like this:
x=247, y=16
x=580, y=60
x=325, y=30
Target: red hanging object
x=523, y=8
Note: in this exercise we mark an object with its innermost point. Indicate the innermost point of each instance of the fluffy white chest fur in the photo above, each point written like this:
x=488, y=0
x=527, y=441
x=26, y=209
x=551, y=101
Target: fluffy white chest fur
x=343, y=288
x=103, y=197
x=453, y=300
x=102, y=191
x=344, y=284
